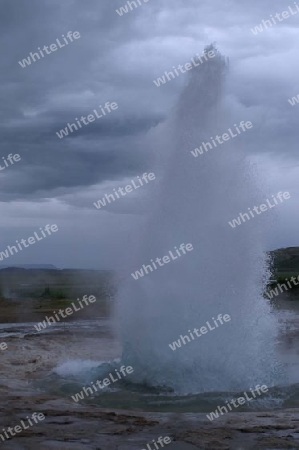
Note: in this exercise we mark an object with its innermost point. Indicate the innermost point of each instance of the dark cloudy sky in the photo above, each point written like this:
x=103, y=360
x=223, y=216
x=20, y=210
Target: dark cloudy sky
x=116, y=60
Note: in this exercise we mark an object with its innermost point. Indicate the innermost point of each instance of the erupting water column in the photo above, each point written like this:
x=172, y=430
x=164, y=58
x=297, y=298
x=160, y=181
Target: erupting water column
x=226, y=271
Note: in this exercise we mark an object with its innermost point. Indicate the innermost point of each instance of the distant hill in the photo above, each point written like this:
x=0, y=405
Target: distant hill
x=286, y=259
x=20, y=282
x=29, y=266
x=285, y=263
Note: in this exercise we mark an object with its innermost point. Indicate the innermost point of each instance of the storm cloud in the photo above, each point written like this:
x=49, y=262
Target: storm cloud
x=116, y=59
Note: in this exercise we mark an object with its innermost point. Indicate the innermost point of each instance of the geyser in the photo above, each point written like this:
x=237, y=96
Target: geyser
x=224, y=274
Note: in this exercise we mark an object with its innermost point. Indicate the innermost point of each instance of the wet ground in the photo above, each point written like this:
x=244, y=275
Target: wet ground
x=26, y=386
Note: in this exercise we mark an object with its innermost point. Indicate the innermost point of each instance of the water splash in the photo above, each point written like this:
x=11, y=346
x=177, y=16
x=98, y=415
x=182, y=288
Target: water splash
x=226, y=271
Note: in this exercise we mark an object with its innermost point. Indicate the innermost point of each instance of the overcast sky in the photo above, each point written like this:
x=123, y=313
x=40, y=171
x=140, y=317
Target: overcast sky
x=116, y=59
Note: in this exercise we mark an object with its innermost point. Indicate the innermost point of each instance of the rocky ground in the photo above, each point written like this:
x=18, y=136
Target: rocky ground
x=72, y=426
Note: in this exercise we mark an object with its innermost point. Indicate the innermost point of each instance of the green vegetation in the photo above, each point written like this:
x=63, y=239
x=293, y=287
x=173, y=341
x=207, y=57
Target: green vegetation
x=49, y=289
x=285, y=264
x=29, y=294
x=56, y=284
